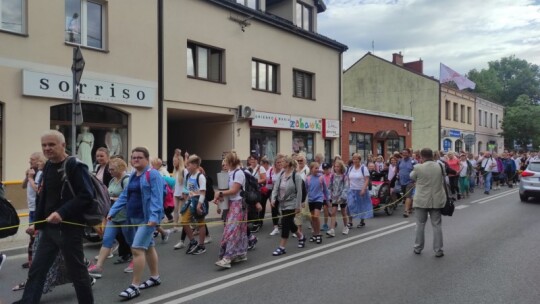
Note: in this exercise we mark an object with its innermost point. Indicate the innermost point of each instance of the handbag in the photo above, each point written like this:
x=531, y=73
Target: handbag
x=449, y=207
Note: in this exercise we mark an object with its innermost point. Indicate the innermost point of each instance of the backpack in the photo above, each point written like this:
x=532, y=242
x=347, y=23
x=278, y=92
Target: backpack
x=210, y=193
x=250, y=192
x=101, y=204
x=8, y=218
x=168, y=192
x=304, y=188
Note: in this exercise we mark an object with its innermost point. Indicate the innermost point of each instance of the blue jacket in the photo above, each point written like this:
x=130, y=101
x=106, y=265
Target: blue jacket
x=152, y=196
x=316, y=189
x=509, y=165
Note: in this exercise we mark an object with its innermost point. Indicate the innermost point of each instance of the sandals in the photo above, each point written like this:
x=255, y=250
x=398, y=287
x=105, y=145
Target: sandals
x=302, y=242
x=131, y=292
x=151, y=282
x=19, y=286
x=312, y=239
x=318, y=239
x=279, y=251
x=362, y=224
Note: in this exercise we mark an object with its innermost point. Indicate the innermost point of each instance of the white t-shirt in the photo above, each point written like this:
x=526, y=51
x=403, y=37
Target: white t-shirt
x=258, y=171
x=179, y=188
x=357, y=178
x=238, y=178
x=464, y=167
x=304, y=172
x=487, y=163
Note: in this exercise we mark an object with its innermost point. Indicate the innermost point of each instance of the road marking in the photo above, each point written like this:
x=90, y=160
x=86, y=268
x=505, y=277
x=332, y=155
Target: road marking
x=267, y=264
x=462, y=206
x=283, y=266
x=499, y=196
x=494, y=196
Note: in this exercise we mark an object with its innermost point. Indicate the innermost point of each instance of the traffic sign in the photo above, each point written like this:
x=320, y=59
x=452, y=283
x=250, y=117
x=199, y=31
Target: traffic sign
x=470, y=139
x=78, y=64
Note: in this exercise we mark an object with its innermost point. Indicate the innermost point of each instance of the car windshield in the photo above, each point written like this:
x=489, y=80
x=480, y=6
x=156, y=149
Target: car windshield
x=534, y=167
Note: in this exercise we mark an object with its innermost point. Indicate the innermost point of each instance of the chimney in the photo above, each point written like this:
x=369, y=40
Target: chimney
x=397, y=59
x=417, y=66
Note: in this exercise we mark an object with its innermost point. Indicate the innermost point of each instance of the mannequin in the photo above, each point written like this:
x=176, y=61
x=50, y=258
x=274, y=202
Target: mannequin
x=85, y=143
x=270, y=149
x=113, y=140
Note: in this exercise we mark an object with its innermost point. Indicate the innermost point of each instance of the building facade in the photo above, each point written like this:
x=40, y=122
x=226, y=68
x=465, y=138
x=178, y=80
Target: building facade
x=457, y=120
x=399, y=88
x=255, y=77
x=489, y=117
x=374, y=133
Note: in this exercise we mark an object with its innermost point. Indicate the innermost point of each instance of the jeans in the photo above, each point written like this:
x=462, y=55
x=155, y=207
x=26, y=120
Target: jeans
x=487, y=181
x=69, y=241
x=421, y=219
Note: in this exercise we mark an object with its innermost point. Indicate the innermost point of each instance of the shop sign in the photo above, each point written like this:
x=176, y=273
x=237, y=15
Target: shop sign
x=306, y=124
x=93, y=90
x=454, y=133
x=330, y=128
x=271, y=120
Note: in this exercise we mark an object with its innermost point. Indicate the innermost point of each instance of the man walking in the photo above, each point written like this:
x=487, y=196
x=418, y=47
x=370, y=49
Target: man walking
x=429, y=198
x=404, y=168
x=486, y=166
x=57, y=204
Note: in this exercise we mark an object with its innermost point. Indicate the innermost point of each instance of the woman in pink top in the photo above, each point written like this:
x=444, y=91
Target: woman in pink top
x=453, y=163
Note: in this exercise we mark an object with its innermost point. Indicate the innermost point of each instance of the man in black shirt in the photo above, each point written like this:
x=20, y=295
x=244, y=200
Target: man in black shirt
x=56, y=204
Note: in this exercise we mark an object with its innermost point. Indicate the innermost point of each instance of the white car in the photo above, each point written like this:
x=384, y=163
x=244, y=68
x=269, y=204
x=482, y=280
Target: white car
x=530, y=181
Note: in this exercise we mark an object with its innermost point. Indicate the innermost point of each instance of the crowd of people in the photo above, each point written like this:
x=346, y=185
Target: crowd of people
x=305, y=200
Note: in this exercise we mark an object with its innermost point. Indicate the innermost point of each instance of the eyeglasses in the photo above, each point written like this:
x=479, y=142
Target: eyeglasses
x=137, y=157
x=300, y=160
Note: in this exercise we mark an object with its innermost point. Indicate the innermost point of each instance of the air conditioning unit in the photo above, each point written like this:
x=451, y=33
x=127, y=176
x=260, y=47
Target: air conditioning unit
x=246, y=112
x=445, y=133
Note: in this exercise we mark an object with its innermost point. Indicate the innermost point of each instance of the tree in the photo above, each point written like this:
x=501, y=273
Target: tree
x=506, y=79
x=521, y=123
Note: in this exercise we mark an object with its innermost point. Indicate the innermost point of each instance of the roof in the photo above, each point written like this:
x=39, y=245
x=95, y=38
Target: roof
x=376, y=113
x=281, y=23
x=389, y=62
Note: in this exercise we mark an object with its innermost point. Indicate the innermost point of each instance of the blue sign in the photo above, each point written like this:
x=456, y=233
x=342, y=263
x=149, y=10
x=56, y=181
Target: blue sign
x=447, y=145
x=454, y=133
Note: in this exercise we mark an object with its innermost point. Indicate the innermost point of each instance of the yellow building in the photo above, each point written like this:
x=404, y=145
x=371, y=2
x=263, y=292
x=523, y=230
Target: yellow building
x=457, y=120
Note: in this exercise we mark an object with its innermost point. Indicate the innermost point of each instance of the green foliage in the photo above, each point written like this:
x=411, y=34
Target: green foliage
x=521, y=123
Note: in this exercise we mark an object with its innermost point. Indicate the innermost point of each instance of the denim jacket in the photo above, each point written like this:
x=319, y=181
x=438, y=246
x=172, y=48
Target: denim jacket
x=152, y=196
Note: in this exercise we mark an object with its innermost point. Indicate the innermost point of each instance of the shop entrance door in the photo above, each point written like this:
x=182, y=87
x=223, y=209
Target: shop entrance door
x=328, y=151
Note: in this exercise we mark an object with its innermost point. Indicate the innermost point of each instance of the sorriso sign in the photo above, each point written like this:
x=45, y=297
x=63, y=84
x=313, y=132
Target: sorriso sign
x=60, y=86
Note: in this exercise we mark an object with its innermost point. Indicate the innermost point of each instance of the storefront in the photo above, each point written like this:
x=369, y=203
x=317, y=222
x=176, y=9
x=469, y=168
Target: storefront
x=457, y=141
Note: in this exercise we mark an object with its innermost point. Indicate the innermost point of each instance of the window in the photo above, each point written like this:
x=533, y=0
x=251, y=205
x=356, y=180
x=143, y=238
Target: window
x=303, y=84
x=491, y=120
x=360, y=143
x=85, y=23
x=393, y=145
x=263, y=76
x=204, y=62
x=448, y=114
x=254, y=4
x=462, y=113
x=304, y=16
x=485, y=119
x=469, y=115
x=303, y=142
x=263, y=143
x=458, y=146
x=456, y=113
x=480, y=117
x=497, y=121
x=13, y=16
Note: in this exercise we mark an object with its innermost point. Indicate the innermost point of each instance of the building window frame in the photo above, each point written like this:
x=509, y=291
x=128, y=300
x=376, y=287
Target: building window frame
x=462, y=113
x=458, y=146
x=356, y=139
x=81, y=27
x=491, y=120
x=212, y=56
x=497, y=121
x=480, y=117
x=4, y=25
x=448, y=110
x=303, y=84
x=485, y=119
x=271, y=72
x=304, y=16
x=469, y=115
x=253, y=4
x=456, y=113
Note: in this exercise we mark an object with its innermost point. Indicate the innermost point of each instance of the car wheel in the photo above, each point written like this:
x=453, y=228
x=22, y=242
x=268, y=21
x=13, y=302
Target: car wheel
x=523, y=197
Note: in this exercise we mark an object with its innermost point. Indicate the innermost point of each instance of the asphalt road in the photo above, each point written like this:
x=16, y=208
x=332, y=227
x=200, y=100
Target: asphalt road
x=491, y=249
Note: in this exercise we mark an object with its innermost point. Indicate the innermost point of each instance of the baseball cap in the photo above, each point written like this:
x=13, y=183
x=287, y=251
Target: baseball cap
x=326, y=166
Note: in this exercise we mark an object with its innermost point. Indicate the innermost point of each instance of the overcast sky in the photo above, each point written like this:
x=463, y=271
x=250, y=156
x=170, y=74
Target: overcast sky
x=463, y=34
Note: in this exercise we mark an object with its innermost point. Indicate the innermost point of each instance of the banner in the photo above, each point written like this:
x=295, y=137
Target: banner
x=447, y=75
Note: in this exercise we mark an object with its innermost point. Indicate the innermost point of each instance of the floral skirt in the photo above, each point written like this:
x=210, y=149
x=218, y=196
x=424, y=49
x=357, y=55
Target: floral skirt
x=360, y=206
x=234, y=242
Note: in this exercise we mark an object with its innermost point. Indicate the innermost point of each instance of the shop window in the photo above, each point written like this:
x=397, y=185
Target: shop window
x=328, y=151
x=447, y=145
x=85, y=22
x=394, y=145
x=204, y=62
x=13, y=16
x=361, y=143
x=303, y=143
x=458, y=146
x=263, y=143
x=102, y=127
x=480, y=147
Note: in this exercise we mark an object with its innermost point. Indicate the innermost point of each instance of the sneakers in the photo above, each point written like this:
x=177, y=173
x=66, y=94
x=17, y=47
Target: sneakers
x=192, y=246
x=255, y=228
x=165, y=236
x=224, y=263
x=331, y=233
x=439, y=254
x=131, y=292
x=129, y=269
x=239, y=259
x=3, y=259
x=486, y=192
x=275, y=231
x=95, y=272
x=324, y=227
x=345, y=230
x=179, y=245
x=349, y=225
x=207, y=240
x=252, y=242
x=199, y=250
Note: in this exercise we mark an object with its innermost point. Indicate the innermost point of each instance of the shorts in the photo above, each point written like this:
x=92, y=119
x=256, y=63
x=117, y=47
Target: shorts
x=407, y=190
x=141, y=236
x=342, y=206
x=315, y=205
x=187, y=217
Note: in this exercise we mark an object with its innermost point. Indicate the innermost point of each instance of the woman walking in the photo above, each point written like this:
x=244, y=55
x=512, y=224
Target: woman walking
x=338, y=197
x=359, y=200
x=273, y=176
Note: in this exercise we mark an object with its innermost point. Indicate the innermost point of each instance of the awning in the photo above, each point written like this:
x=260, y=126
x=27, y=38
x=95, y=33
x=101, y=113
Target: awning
x=386, y=134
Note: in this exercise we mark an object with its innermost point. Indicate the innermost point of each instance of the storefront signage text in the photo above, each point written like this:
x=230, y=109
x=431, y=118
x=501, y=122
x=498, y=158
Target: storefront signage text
x=60, y=86
x=454, y=133
x=282, y=121
x=306, y=124
x=330, y=128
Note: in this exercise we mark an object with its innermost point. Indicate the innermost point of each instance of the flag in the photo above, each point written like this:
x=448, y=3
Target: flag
x=447, y=74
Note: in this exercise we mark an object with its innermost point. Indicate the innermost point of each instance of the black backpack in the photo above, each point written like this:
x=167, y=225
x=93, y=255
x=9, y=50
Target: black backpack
x=304, y=188
x=8, y=218
x=210, y=193
x=251, y=191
